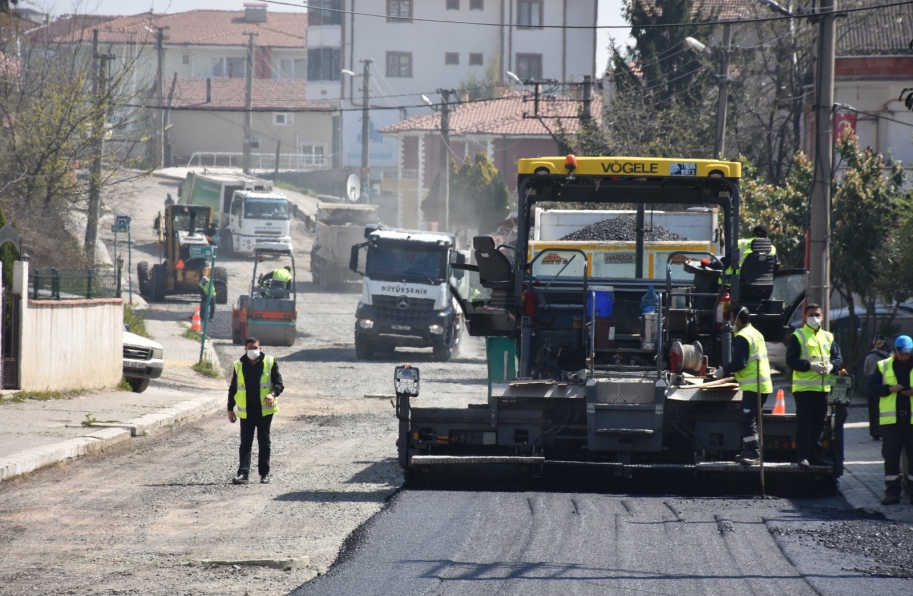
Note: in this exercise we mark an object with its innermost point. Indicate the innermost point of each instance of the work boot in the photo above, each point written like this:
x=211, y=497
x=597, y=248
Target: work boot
x=892, y=490
x=748, y=458
x=240, y=479
x=821, y=461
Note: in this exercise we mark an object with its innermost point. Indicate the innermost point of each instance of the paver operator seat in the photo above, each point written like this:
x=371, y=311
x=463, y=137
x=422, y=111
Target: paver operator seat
x=756, y=273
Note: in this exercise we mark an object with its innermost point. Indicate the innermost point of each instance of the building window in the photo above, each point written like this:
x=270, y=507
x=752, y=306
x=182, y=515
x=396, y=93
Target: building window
x=475, y=59
x=529, y=66
x=185, y=58
x=319, y=15
x=399, y=64
x=323, y=64
x=283, y=119
x=451, y=58
x=255, y=145
x=399, y=11
x=312, y=155
x=529, y=14
x=289, y=68
x=476, y=5
x=453, y=4
x=231, y=68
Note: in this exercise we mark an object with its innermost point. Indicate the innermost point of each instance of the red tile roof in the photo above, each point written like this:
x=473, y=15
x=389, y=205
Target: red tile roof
x=229, y=94
x=201, y=27
x=503, y=116
x=68, y=25
x=724, y=10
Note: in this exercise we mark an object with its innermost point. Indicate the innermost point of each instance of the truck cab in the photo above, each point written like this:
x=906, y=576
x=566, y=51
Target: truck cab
x=257, y=220
x=406, y=297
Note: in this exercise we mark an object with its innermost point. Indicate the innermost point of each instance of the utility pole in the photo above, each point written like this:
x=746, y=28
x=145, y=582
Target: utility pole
x=365, y=127
x=445, y=158
x=159, y=158
x=820, y=248
x=248, y=102
x=98, y=138
x=723, y=98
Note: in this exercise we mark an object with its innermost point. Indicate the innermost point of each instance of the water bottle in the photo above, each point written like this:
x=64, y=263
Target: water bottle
x=649, y=302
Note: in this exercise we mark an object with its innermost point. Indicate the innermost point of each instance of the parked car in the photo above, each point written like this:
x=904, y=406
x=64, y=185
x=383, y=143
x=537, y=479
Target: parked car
x=143, y=360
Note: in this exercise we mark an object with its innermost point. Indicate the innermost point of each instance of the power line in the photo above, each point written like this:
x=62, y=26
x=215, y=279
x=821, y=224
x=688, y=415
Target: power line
x=590, y=27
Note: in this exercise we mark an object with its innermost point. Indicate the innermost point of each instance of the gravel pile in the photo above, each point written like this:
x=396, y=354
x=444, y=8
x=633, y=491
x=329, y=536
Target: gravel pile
x=623, y=227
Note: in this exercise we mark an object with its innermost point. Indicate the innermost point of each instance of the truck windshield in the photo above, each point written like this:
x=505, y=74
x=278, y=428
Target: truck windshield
x=266, y=209
x=387, y=261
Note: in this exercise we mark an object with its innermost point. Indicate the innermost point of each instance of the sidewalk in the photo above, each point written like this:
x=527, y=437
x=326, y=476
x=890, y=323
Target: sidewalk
x=38, y=433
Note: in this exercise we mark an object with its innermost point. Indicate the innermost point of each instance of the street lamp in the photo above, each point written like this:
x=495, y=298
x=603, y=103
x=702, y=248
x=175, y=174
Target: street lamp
x=365, y=121
x=697, y=46
x=347, y=72
x=514, y=78
x=120, y=268
x=722, y=81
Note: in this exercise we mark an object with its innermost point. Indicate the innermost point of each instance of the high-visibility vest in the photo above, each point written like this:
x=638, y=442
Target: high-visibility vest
x=815, y=347
x=265, y=388
x=758, y=366
x=282, y=275
x=887, y=405
x=207, y=290
x=744, y=246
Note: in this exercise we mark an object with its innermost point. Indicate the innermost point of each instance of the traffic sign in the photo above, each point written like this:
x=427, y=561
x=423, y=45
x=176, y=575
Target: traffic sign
x=117, y=229
x=197, y=252
x=122, y=220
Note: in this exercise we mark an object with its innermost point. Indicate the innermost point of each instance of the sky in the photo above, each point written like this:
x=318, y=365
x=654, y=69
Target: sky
x=609, y=13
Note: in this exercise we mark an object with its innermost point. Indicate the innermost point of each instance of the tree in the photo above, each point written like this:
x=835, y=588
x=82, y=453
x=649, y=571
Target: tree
x=6, y=4
x=479, y=198
x=485, y=88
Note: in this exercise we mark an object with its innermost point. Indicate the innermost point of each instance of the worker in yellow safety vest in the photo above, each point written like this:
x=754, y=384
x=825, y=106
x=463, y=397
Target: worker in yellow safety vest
x=744, y=246
x=283, y=274
x=254, y=390
x=751, y=369
x=812, y=355
x=891, y=385
x=207, y=294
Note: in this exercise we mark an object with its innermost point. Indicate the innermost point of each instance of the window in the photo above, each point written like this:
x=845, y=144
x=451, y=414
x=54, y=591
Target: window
x=475, y=59
x=399, y=11
x=255, y=145
x=313, y=155
x=399, y=64
x=323, y=64
x=289, y=68
x=319, y=15
x=476, y=5
x=529, y=14
x=283, y=119
x=453, y=4
x=231, y=68
x=185, y=58
x=529, y=66
x=451, y=57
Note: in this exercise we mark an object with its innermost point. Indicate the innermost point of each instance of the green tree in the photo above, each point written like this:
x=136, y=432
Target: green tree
x=8, y=255
x=479, y=198
x=475, y=88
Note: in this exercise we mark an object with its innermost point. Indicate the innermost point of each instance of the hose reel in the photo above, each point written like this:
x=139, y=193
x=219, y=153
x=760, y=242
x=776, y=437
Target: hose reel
x=686, y=356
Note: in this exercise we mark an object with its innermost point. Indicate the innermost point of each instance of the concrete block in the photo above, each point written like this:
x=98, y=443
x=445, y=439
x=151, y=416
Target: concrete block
x=107, y=437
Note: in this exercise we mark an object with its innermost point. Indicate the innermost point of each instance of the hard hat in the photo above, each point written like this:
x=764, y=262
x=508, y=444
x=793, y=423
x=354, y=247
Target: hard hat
x=904, y=344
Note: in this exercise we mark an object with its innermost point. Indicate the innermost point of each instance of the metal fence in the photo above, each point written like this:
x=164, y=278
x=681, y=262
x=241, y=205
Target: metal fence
x=52, y=284
x=262, y=162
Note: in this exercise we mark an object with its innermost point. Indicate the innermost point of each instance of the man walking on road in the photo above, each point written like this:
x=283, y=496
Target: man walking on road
x=890, y=383
x=812, y=355
x=751, y=368
x=877, y=354
x=255, y=388
x=207, y=294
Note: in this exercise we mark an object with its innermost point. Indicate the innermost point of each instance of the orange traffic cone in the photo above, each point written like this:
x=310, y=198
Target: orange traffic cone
x=195, y=320
x=780, y=406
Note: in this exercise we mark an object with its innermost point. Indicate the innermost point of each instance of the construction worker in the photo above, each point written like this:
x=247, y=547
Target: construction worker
x=751, y=368
x=255, y=388
x=876, y=355
x=745, y=249
x=891, y=384
x=284, y=275
x=207, y=294
x=812, y=355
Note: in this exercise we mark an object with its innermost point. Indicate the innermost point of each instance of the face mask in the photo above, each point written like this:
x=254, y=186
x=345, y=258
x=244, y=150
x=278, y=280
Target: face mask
x=814, y=322
x=253, y=355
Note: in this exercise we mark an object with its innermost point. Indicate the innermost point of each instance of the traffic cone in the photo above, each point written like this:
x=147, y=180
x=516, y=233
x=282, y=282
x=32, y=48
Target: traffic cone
x=780, y=406
x=195, y=321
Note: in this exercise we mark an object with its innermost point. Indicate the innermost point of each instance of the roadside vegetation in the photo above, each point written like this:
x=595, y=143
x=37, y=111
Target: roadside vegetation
x=136, y=321
x=208, y=369
x=21, y=396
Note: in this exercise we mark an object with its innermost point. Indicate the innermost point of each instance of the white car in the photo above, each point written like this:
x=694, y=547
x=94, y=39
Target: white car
x=143, y=360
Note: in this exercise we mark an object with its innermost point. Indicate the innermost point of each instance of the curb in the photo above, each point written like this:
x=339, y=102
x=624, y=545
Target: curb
x=105, y=436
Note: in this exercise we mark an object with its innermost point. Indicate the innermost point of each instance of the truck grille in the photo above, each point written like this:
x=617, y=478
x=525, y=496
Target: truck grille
x=269, y=232
x=135, y=353
x=389, y=307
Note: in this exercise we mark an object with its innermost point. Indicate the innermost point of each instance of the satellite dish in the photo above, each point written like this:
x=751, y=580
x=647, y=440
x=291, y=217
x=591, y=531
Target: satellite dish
x=353, y=188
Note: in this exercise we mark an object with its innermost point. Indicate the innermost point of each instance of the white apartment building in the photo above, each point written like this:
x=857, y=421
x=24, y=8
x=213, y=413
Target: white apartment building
x=419, y=46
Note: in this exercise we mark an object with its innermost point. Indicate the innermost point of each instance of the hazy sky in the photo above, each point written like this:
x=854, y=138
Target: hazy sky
x=609, y=13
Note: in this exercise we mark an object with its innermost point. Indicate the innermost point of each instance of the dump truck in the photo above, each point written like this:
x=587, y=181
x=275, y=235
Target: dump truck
x=337, y=228
x=582, y=374
x=249, y=214
x=186, y=236
x=269, y=311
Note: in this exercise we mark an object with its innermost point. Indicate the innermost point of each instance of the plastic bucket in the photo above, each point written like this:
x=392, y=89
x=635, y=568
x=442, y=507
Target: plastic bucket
x=602, y=298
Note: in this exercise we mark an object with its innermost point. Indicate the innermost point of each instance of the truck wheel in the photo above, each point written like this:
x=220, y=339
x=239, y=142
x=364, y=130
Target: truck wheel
x=315, y=269
x=137, y=384
x=159, y=284
x=142, y=274
x=442, y=353
x=227, y=246
x=364, y=348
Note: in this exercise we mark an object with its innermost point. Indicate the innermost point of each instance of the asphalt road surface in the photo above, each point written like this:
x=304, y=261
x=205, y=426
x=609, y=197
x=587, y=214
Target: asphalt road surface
x=477, y=543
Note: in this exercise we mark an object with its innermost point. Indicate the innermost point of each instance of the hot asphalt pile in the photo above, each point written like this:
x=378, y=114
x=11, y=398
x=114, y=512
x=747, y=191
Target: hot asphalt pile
x=623, y=227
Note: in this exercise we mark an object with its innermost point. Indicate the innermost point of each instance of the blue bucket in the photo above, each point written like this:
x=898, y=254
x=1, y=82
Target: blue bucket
x=602, y=297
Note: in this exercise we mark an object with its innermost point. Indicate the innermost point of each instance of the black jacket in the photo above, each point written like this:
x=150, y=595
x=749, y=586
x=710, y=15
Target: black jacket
x=739, y=356
x=252, y=373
